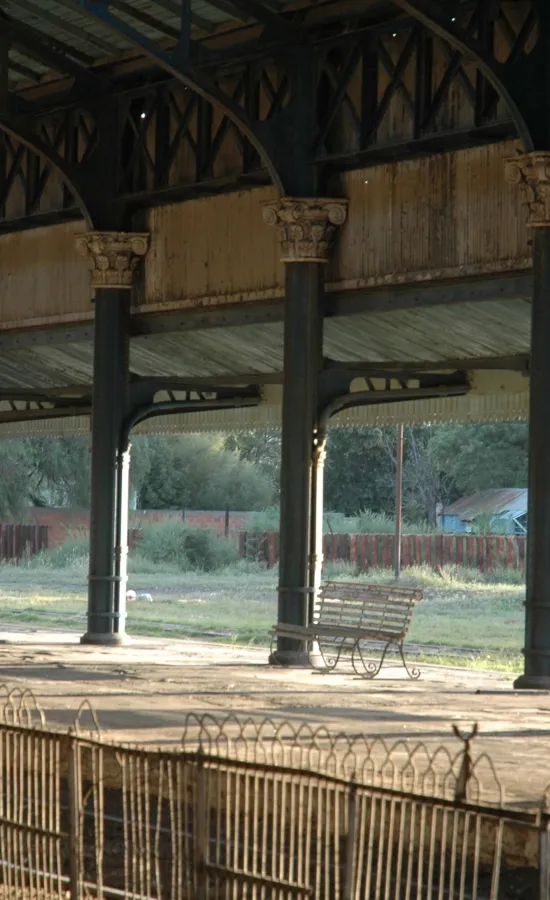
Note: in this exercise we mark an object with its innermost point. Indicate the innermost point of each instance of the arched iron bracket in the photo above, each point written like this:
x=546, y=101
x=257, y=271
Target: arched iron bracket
x=203, y=398
x=513, y=81
x=449, y=387
x=37, y=145
x=176, y=65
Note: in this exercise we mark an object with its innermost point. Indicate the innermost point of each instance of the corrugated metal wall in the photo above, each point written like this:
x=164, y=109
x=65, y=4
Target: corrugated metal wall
x=435, y=218
x=42, y=280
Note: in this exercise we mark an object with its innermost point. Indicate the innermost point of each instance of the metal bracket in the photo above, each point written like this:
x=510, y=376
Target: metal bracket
x=33, y=405
x=382, y=387
x=163, y=396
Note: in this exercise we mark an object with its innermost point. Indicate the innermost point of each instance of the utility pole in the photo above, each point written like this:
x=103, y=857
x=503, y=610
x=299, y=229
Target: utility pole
x=398, y=500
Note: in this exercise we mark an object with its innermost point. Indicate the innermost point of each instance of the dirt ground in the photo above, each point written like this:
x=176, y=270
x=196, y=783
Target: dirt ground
x=142, y=693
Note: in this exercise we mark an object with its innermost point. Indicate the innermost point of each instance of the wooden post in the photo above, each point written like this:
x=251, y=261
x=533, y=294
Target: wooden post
x=398, y=502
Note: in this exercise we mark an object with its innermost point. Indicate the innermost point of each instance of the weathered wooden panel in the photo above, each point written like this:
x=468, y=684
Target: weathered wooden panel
x=42, y=280
x=438, y=217
x=435, y=218
x=212, y=251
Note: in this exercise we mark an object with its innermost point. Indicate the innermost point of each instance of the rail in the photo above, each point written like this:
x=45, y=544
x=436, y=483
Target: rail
x=252, y=810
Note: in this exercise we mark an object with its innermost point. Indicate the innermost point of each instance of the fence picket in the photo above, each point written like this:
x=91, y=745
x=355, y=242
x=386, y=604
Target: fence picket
x=369, y=551
x=19, y=542
x=374, y=551
x=363, y=552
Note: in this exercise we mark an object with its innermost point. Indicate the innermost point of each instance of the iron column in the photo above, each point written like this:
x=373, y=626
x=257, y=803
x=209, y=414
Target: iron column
x=532, y=173
x=113, y=260
x=306, y=228
x=317, y=518
x=398, y=501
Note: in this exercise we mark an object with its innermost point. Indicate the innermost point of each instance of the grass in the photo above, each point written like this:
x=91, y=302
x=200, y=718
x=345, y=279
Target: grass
x=366, y=522
x=462, y=611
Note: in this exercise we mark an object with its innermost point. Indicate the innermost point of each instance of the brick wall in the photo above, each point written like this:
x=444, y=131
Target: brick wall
x=63, y=522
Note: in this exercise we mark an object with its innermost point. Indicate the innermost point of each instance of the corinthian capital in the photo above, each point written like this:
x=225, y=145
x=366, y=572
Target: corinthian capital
x=305, y=226
x=532, y=172
x=113, y=256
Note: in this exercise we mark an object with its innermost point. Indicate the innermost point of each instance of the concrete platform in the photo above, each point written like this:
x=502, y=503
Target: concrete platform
x=142, y=693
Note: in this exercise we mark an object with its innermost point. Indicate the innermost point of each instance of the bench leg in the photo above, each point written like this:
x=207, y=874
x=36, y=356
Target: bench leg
x=413, y=673
x=330, y=661
x=371, y=669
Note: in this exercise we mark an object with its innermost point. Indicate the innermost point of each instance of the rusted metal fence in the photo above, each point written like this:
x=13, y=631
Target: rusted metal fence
x=375, y=551
x=19, y=542
x=234, y=813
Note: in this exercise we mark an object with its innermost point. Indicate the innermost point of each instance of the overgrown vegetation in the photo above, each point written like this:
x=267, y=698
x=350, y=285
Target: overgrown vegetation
x=366, y=522
x=171, y=546
x=190, y=549
x=240, y=471
x=466, y=618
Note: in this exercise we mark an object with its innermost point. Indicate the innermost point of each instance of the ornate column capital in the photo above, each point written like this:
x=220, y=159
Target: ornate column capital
x=532, y=172
x=306, y=226
x=113, y=256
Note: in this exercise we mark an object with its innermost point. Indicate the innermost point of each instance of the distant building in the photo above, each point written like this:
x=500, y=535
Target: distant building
x=501, y=511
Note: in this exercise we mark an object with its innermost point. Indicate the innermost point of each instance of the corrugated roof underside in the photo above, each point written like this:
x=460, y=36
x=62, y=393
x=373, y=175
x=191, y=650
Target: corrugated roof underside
x=457, y=332
x=89, y=41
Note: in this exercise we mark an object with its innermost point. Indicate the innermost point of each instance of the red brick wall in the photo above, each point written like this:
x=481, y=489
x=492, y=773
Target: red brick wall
x=63, y=522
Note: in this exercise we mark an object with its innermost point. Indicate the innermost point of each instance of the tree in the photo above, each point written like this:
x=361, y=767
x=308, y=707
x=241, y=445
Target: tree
x=360, y=472
x=198, y=472
x=425, y=484
x=59, y=471
x=14, y=478
x=480, y=457
x=262, y=448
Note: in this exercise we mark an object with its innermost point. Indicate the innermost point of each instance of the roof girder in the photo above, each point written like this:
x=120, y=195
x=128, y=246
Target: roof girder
x=513, y=80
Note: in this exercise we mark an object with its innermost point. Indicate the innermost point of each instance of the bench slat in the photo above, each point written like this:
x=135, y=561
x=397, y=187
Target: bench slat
x=335, y=632
x=375, y=602
x=391, y=620
x=375, y=609
x=383, y=588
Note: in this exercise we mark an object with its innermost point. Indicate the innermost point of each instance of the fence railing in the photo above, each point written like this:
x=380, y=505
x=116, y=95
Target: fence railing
x=373, y=551
x=254, y=810
x=18, y=542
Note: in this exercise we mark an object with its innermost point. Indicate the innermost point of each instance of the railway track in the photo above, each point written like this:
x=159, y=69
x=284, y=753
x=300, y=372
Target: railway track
x=413, y=649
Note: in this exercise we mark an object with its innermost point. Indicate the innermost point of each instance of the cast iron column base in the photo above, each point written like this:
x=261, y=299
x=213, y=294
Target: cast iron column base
x=297, y=659
x=532, y=683
x=106, y=640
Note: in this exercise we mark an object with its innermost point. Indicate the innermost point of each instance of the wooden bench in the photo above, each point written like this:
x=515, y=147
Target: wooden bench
x=348, y=614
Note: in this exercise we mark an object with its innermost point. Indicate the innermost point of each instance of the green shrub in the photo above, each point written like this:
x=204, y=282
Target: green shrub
x=339, y=570
x=207, y=551
x=366, y=522
x=162, y=542
x=73, y=552
x=177, y=544
x=266, y=520
x=140, y=565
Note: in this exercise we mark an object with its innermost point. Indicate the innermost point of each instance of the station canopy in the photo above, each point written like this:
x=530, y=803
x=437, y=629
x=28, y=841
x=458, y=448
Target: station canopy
x=54, y=39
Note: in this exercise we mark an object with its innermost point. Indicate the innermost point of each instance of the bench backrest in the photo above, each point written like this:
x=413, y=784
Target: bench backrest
x=376, y=608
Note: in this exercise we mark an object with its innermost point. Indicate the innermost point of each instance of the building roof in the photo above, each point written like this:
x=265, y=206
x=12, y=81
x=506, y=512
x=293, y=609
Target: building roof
x=501, y=503
x=58, y=37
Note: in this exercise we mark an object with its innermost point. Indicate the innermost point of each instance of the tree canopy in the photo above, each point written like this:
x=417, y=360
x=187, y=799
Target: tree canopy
x=241, y=470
